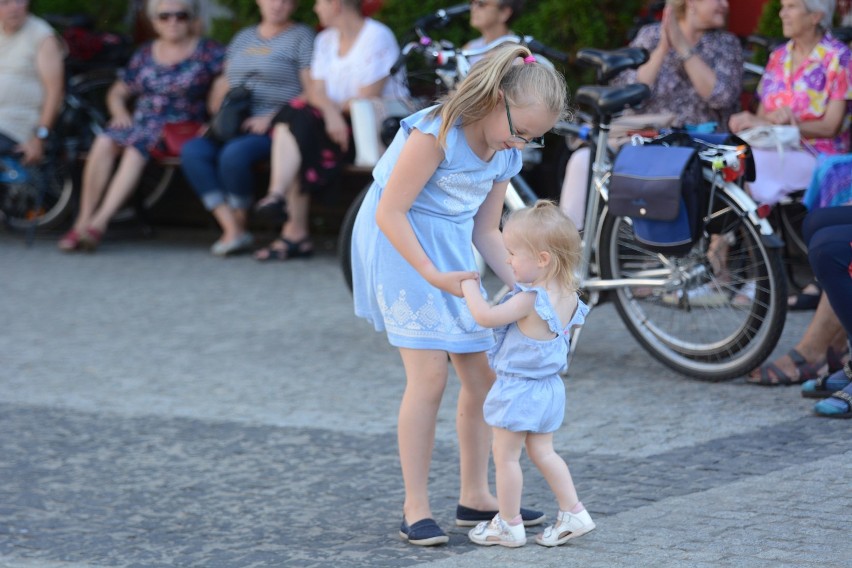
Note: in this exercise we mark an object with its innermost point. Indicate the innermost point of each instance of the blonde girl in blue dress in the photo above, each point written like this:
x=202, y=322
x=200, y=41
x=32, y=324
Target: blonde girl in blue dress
x=439, y=187
x=526, y=405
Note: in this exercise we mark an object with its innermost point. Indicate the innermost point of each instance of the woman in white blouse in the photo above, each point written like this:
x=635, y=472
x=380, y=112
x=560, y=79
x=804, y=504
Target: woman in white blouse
x=312, y=138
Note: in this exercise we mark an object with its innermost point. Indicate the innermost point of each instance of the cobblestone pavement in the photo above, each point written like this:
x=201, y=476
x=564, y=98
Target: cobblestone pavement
x=160, y=407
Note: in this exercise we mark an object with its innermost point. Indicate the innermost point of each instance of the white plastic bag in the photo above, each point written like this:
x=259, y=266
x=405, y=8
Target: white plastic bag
x=777, y=136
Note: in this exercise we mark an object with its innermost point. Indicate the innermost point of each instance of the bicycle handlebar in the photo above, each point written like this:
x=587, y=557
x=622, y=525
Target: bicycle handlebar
x=441, y=17
x=448, y=52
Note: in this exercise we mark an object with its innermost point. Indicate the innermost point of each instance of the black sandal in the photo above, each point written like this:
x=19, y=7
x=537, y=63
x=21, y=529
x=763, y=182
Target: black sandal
x=287, y=251
x=806, y=301
x=272, y=209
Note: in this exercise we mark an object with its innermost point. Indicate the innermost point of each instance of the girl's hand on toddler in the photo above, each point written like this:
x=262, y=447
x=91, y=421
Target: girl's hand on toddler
x=451, y=282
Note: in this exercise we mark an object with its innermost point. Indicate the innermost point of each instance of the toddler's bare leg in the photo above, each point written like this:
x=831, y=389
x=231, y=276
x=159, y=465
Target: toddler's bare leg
x=553, y=468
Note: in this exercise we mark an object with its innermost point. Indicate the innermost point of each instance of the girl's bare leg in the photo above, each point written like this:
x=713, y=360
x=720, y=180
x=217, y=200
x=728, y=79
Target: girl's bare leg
x=510, y=478
x=553, y=468
x=426, y=377
x=474, y=434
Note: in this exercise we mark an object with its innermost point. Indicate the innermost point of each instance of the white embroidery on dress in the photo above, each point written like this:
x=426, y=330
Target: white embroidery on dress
x=463, y=193
x=433, y=319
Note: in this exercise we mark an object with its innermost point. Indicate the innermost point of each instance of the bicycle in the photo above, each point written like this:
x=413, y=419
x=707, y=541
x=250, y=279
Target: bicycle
x=653, y=292
x=450, y=65
x=40, y=197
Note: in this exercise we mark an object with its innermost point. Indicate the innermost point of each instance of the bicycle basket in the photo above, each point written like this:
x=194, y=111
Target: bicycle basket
x=662, y=190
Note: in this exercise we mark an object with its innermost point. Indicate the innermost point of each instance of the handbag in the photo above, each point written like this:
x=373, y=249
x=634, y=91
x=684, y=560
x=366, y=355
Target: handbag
x=176, y=134
x=228, y=120
x=661, y=188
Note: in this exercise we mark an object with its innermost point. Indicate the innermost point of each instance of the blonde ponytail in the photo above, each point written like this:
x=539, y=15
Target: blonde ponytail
x=521, y=83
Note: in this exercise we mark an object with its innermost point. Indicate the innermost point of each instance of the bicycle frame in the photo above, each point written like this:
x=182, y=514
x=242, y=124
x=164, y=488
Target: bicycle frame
x=597, y=192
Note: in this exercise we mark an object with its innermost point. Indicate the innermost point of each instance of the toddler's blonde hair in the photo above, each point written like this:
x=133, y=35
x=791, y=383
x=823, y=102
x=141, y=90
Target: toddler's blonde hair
x=544, y=227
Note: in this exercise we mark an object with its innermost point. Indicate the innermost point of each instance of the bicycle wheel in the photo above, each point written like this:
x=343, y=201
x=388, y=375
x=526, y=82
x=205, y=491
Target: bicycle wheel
x=723, y=305
x=344, y=241
x=42, y=200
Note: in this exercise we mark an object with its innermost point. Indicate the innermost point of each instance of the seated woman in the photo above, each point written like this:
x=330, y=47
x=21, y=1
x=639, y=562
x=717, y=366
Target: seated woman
x=828, y=233
x=807, y=83
x=31, y=80
x=311, y=139
x=493, y=19
x=824, y=345
x=694, y=72
x=170, y=79
x=272, y=59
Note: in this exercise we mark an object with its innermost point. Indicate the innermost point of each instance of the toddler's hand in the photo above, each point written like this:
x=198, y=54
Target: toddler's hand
x=470, y=287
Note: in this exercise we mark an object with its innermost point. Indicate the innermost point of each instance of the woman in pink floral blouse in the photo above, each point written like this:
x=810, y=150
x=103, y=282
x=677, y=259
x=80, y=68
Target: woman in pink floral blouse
x=807, y=83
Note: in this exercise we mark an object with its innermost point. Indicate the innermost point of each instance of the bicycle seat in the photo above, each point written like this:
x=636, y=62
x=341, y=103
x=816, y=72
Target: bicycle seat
x=611, y=63
x=609, y=100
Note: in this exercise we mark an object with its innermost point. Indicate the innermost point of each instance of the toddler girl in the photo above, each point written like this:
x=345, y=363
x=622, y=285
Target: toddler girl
x=527, y=402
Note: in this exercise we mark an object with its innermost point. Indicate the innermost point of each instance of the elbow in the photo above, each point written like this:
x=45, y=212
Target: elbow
x=382, y=218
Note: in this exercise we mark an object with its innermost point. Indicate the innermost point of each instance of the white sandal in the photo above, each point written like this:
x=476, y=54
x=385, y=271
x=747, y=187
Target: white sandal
x=498, y=531
x=568, y=526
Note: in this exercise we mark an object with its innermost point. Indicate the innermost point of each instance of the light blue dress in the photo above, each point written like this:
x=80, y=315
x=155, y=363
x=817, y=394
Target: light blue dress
x=529, y=395
x=388, y=291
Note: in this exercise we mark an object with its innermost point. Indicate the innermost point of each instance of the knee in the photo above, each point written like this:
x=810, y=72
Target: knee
x=198, y=149
x=233, y=158
x=538, y=454
x=102, y=147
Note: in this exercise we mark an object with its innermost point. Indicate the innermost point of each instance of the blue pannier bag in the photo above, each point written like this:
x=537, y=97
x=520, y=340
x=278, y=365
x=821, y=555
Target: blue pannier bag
x=661, y=189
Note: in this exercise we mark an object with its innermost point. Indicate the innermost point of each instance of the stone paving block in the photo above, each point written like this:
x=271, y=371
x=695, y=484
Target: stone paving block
x=201, y=442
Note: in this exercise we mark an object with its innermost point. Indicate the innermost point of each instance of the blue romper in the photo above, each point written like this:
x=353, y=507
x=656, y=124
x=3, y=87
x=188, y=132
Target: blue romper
x=388, y=291
x=529, y=395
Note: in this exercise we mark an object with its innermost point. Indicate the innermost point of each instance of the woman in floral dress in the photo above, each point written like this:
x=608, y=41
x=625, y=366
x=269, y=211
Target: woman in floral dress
x=806, y=83
x=168, y=80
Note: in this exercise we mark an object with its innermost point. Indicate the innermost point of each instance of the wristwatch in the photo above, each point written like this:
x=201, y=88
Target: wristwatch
x=689, y=53
x=42, y=132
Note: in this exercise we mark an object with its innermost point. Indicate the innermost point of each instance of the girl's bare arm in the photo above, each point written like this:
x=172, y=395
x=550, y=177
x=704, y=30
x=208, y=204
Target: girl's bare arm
x=417, y=162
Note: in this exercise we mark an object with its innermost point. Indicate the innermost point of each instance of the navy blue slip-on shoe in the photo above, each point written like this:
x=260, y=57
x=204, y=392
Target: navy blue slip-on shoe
x=467, y=517
x=425, y=532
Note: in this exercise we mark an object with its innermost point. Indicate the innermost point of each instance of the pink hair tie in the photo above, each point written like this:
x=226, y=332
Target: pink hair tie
x=529, y=59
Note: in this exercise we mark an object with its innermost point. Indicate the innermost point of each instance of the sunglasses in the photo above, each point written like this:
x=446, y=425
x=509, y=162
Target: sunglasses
x=483, y=3
x=537, y=142
x=181, y=16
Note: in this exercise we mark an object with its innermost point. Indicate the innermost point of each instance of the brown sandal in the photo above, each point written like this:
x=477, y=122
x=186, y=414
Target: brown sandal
x=772, y=376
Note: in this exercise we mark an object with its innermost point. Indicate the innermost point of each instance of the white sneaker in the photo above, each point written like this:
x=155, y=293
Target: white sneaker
x=498, y=531
x=568, y=526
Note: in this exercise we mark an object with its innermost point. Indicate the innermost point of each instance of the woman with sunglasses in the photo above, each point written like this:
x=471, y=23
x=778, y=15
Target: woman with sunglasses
x=168, y=80
x=492, y=18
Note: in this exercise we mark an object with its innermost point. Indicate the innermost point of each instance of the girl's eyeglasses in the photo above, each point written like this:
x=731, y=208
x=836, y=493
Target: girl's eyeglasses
x=181, y=16
x=537, y=142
